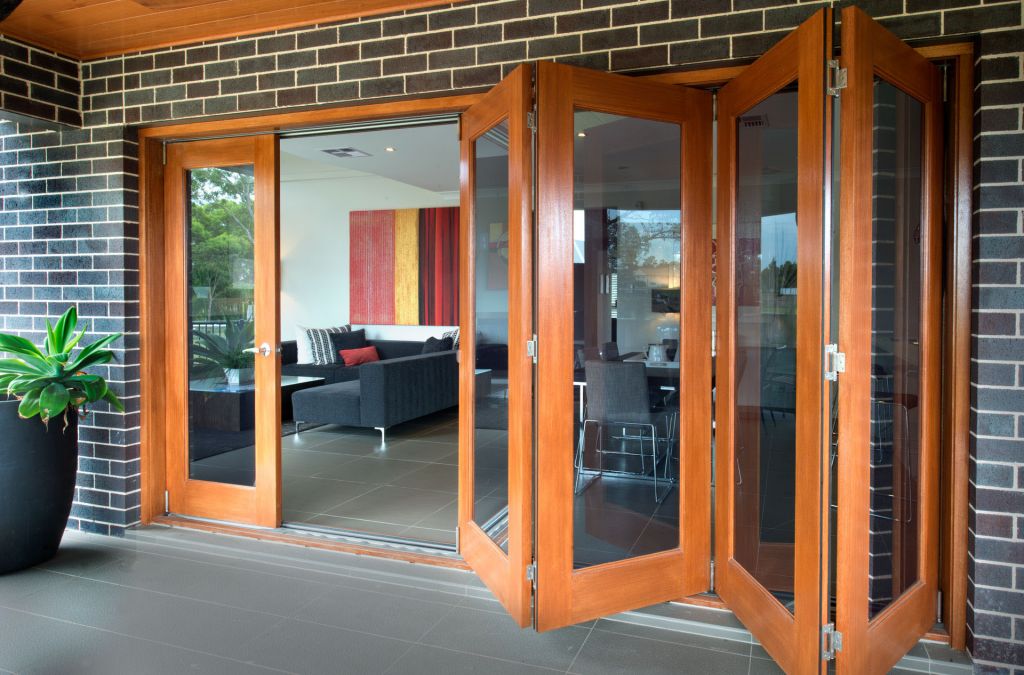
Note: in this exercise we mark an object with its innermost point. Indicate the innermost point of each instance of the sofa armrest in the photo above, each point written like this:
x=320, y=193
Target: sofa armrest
x=398, y=390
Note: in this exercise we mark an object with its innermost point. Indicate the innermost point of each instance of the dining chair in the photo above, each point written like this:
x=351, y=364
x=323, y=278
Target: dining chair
x=617, y=396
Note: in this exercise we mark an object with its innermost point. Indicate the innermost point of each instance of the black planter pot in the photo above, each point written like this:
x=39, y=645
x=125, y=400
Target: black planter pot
x=37, y=485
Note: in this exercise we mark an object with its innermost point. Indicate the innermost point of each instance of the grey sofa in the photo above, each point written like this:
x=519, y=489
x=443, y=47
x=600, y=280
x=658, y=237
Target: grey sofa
x=384, y=393
x=339, y=372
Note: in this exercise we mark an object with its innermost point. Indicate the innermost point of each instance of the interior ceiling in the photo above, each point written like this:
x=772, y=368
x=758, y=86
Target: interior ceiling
x=88, y=29
x=426, y=157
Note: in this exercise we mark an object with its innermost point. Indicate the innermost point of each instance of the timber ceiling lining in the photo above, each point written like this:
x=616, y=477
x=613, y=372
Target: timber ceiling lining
x=88, y=29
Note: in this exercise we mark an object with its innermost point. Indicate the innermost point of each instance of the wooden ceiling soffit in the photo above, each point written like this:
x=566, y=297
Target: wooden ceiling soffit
x=89, y=29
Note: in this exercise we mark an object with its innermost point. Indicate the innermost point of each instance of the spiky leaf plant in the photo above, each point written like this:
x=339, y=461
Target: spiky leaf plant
x=50, y=381
x=231, y=350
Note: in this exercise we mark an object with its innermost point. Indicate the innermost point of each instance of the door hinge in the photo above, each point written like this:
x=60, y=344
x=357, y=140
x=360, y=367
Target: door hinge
x=163, y=153
x=167, y=502
x=531, y=572
x=831, y=642
x=938, y=607
x=531, y=120
x=835, y=362
x=531, y=348
x=456, y=538
x=712, y=576
x=836, y=78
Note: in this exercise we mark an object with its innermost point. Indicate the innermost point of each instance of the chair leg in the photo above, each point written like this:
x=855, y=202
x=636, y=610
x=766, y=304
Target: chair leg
x=578, y=462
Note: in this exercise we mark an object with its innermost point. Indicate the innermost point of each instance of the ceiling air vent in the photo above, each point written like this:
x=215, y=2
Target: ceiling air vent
x=754, y=121
x=346, y=152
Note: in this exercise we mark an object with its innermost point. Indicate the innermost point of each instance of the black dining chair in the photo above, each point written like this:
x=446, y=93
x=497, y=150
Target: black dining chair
x=617, y=397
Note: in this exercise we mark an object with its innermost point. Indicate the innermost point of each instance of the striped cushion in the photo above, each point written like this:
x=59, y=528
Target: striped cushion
x=315, y=346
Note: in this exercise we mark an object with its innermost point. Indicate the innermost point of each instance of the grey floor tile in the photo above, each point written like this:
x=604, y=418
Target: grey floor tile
x=319, y=495
x=613, y=653
x=417, y=450
x=391, y=504
x=372, y=470
x=377, y=613
x=19, y=585
x=202, y=626
x=674, y=637
x=439, y=477
x=423, y=660
x=765, y=667
x=430, y=534
x=496, y=635
x=313, y=649
x=312, y=462
x=34, y=645
x=213, y=582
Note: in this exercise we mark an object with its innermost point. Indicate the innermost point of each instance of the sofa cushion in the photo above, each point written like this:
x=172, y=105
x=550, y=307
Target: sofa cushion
x=331, y=404
x=396, y=349
x=353, y=339
x=356, y=357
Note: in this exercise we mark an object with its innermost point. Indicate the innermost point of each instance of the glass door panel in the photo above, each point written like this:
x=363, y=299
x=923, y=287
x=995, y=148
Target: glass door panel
x=770, y=424
x=889, y=237
x=223, y=459
x=495, y=534
x=624, y=352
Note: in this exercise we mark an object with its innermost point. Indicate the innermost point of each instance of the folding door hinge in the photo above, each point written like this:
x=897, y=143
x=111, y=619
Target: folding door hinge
x=163, y=153
x=531, y=572
x=831, y=642
x=836, y=78
x=167, y=501
x=531, y=120
x=712, y=576
x=456, y=538
x=835, y=362
x=531, y=348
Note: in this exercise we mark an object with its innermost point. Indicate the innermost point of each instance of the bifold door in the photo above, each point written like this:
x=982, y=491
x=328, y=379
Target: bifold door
x=890, y=224
x=770, y=508
x=221, y=296
x=496, y=372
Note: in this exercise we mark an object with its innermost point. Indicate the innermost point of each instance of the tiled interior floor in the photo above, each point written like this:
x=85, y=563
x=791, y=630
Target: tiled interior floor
x=174, y=601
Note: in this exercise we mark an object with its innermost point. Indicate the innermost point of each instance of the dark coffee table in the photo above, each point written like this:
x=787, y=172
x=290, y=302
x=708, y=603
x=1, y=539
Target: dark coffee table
x=222, y=407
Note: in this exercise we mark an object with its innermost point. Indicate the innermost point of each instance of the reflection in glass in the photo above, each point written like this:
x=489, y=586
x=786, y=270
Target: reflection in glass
x=490, y=241
x=626, y=318
x=766, y=357
x=895, y=343
x=222, y=392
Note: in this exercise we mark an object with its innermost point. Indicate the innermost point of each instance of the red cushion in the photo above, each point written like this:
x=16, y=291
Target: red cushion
x=353, y=357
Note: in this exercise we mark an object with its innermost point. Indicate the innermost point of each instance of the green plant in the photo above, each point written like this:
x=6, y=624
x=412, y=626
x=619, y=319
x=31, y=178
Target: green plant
x=49, y=381
x=224, y=352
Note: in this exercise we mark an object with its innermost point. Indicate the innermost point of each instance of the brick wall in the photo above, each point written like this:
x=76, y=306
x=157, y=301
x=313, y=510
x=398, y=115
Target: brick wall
x=470, y=46
x=69, y=224
x=39, y=83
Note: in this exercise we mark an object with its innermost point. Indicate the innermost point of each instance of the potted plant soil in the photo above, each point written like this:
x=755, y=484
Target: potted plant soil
x=48, y=391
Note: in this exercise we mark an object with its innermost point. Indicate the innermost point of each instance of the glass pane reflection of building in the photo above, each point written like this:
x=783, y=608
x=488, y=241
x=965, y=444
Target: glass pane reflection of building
x=626, y=322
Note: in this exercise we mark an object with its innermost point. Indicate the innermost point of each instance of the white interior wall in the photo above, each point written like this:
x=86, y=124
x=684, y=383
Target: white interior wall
x=314, y=246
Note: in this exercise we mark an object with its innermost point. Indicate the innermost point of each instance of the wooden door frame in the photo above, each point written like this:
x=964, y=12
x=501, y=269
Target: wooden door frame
x=503, y=573
x=956, y=331
x=564, y=595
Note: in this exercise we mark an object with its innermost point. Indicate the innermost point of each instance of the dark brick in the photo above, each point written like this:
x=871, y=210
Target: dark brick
x=687, y=8
x=669, y=32
x=356, y=32
x=276, y=80
x=202, y=54
x=342, y=91
x=256, y=64
x=428, y=82
x=428, y=42
x=454, y=18
x=237, y=50
x=389, y=47
x=581, y=21
x=477, y=35
x=452, y=58
x=610, y=39
x=699, y=50
x=501, y=11
x=317, y=38
x=731, y=24
x=384, y=86
x=297, y=96
x=278, y=43
x=317, y=75
x=552, y=6
x=30, y=73
x=215, y=71
x=258, y=101
x=180, y=109
x=755, y=45
x=238, y=85
x=1006, y=68
x=643, y=13
x=790, y=17
x=997, y=119
x=187, y=74
x=220, y=105
x=476, y=77
x=405, y=25
x=546, y=47
x=57, y=65
x=506, y=51
x=528, y=28
x=293, y=60
x=359, y=71
x=167, y=59
x=203, y=89
x=1001, y=145
x=404, y=64
x=909, y=27
x=50, y=95
x=1001, y=93
x=981, y=18
x=156, y=78
x=640, y=57
x=338, y=54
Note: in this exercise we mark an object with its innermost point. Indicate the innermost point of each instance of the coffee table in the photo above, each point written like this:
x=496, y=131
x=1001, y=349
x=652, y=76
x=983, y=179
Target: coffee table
x=216, y=405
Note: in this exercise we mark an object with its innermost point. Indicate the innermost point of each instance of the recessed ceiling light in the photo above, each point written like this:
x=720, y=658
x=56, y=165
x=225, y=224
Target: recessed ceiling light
x=389, y=149
x=582, y=134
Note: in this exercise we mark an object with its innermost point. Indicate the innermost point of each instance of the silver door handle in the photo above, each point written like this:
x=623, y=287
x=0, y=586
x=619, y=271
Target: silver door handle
x=264, y=349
